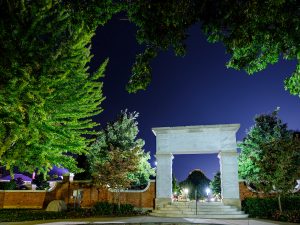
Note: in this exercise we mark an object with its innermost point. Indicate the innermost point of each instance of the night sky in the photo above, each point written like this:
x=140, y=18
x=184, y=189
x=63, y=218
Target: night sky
x=196, y=89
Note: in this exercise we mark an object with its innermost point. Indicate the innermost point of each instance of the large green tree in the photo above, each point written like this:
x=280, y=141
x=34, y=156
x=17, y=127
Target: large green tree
x=270, y=156
x=196, y=183
x=47, y=97
x=122, y=134
x=254, y=33
x=44, y=51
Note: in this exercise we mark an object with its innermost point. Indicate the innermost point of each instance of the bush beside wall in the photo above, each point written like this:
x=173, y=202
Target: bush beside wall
x=105, y=208
x=268, y=208
x=99, y=209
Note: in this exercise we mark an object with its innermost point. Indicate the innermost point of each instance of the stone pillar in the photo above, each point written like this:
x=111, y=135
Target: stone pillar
x=229, y=178
x=163, y=179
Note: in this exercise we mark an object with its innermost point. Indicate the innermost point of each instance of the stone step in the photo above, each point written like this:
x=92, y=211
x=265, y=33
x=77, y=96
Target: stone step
x=198, y=212
x=199, y=209
x=173, y=212
x=205, y=210
x=193, y=202
x=199, y=204
x=204, y=216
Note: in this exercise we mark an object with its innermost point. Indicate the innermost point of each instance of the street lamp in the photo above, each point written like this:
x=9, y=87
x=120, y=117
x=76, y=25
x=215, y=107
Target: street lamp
x=186, y=191
x=207, y=191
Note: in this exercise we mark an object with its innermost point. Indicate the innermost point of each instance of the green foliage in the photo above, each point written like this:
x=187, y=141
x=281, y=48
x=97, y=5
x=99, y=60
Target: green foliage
x=122, y=134
x=161, y=25
x=254, y=33
x=111, y=209
x=99, y=209
x=115, y=170
x=287, y=216
x=175, y=185
x=11, y=185
x=47, y=97
x=215, y=184
x=40, y=182
x=268, y=207
x=14, y=184
x=196, y=181
x=14, y=215
x=141, y=177
x=270, y=156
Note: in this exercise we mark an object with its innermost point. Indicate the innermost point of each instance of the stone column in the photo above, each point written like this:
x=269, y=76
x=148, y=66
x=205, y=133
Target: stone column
x=229, y=178
x=163, y=179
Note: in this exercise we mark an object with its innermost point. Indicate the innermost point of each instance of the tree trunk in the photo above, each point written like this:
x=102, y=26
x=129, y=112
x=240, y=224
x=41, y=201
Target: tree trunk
x=279, y=204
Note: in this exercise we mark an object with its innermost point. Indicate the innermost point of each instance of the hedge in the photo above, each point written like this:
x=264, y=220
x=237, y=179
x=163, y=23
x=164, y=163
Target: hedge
x=99, y=209
x=105, y=208
x=268, y=208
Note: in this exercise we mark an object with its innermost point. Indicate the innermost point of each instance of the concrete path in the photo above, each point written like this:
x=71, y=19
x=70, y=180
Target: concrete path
x=149, y=220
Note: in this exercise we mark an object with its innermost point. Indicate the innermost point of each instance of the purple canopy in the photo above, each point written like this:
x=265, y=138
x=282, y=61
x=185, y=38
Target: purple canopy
x=17, y=175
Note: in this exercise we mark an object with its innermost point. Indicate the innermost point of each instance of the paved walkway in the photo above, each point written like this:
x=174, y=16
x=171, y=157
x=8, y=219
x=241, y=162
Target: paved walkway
x=149, y=220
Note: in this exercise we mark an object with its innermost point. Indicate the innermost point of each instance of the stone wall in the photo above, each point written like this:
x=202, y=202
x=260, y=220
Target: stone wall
x=64, y=191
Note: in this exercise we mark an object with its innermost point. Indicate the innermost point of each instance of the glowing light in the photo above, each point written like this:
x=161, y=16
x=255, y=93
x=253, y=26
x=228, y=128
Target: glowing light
x=186, y=191
x=207, y=191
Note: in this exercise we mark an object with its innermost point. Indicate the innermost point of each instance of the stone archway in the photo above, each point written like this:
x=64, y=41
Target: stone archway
x=197, y=140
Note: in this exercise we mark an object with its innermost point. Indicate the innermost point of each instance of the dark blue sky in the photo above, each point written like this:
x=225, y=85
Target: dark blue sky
x=196, y=89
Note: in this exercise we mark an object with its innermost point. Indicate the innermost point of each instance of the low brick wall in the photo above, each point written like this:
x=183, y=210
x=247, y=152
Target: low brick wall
x=64, y=191
x=245, y=192
x=22, y=199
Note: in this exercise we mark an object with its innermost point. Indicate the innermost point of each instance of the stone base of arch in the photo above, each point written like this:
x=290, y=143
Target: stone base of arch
x=232, y=202
x=161, y=202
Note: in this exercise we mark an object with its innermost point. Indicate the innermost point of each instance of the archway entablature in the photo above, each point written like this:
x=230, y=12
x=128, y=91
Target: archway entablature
x=196, y=139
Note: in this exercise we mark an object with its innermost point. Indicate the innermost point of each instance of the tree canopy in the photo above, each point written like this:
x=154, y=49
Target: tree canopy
x=196, y=181
x=47, y=97
x=270, y=156
x=254, y=33
x=122, y=135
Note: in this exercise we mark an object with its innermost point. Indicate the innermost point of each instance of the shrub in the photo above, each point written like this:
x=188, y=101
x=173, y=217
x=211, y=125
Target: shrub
x=289, y=216
x=11, y=185
x=105, y=208
x=266, y=207
x=12, y=215
x=100, y=208
x=40, y=182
